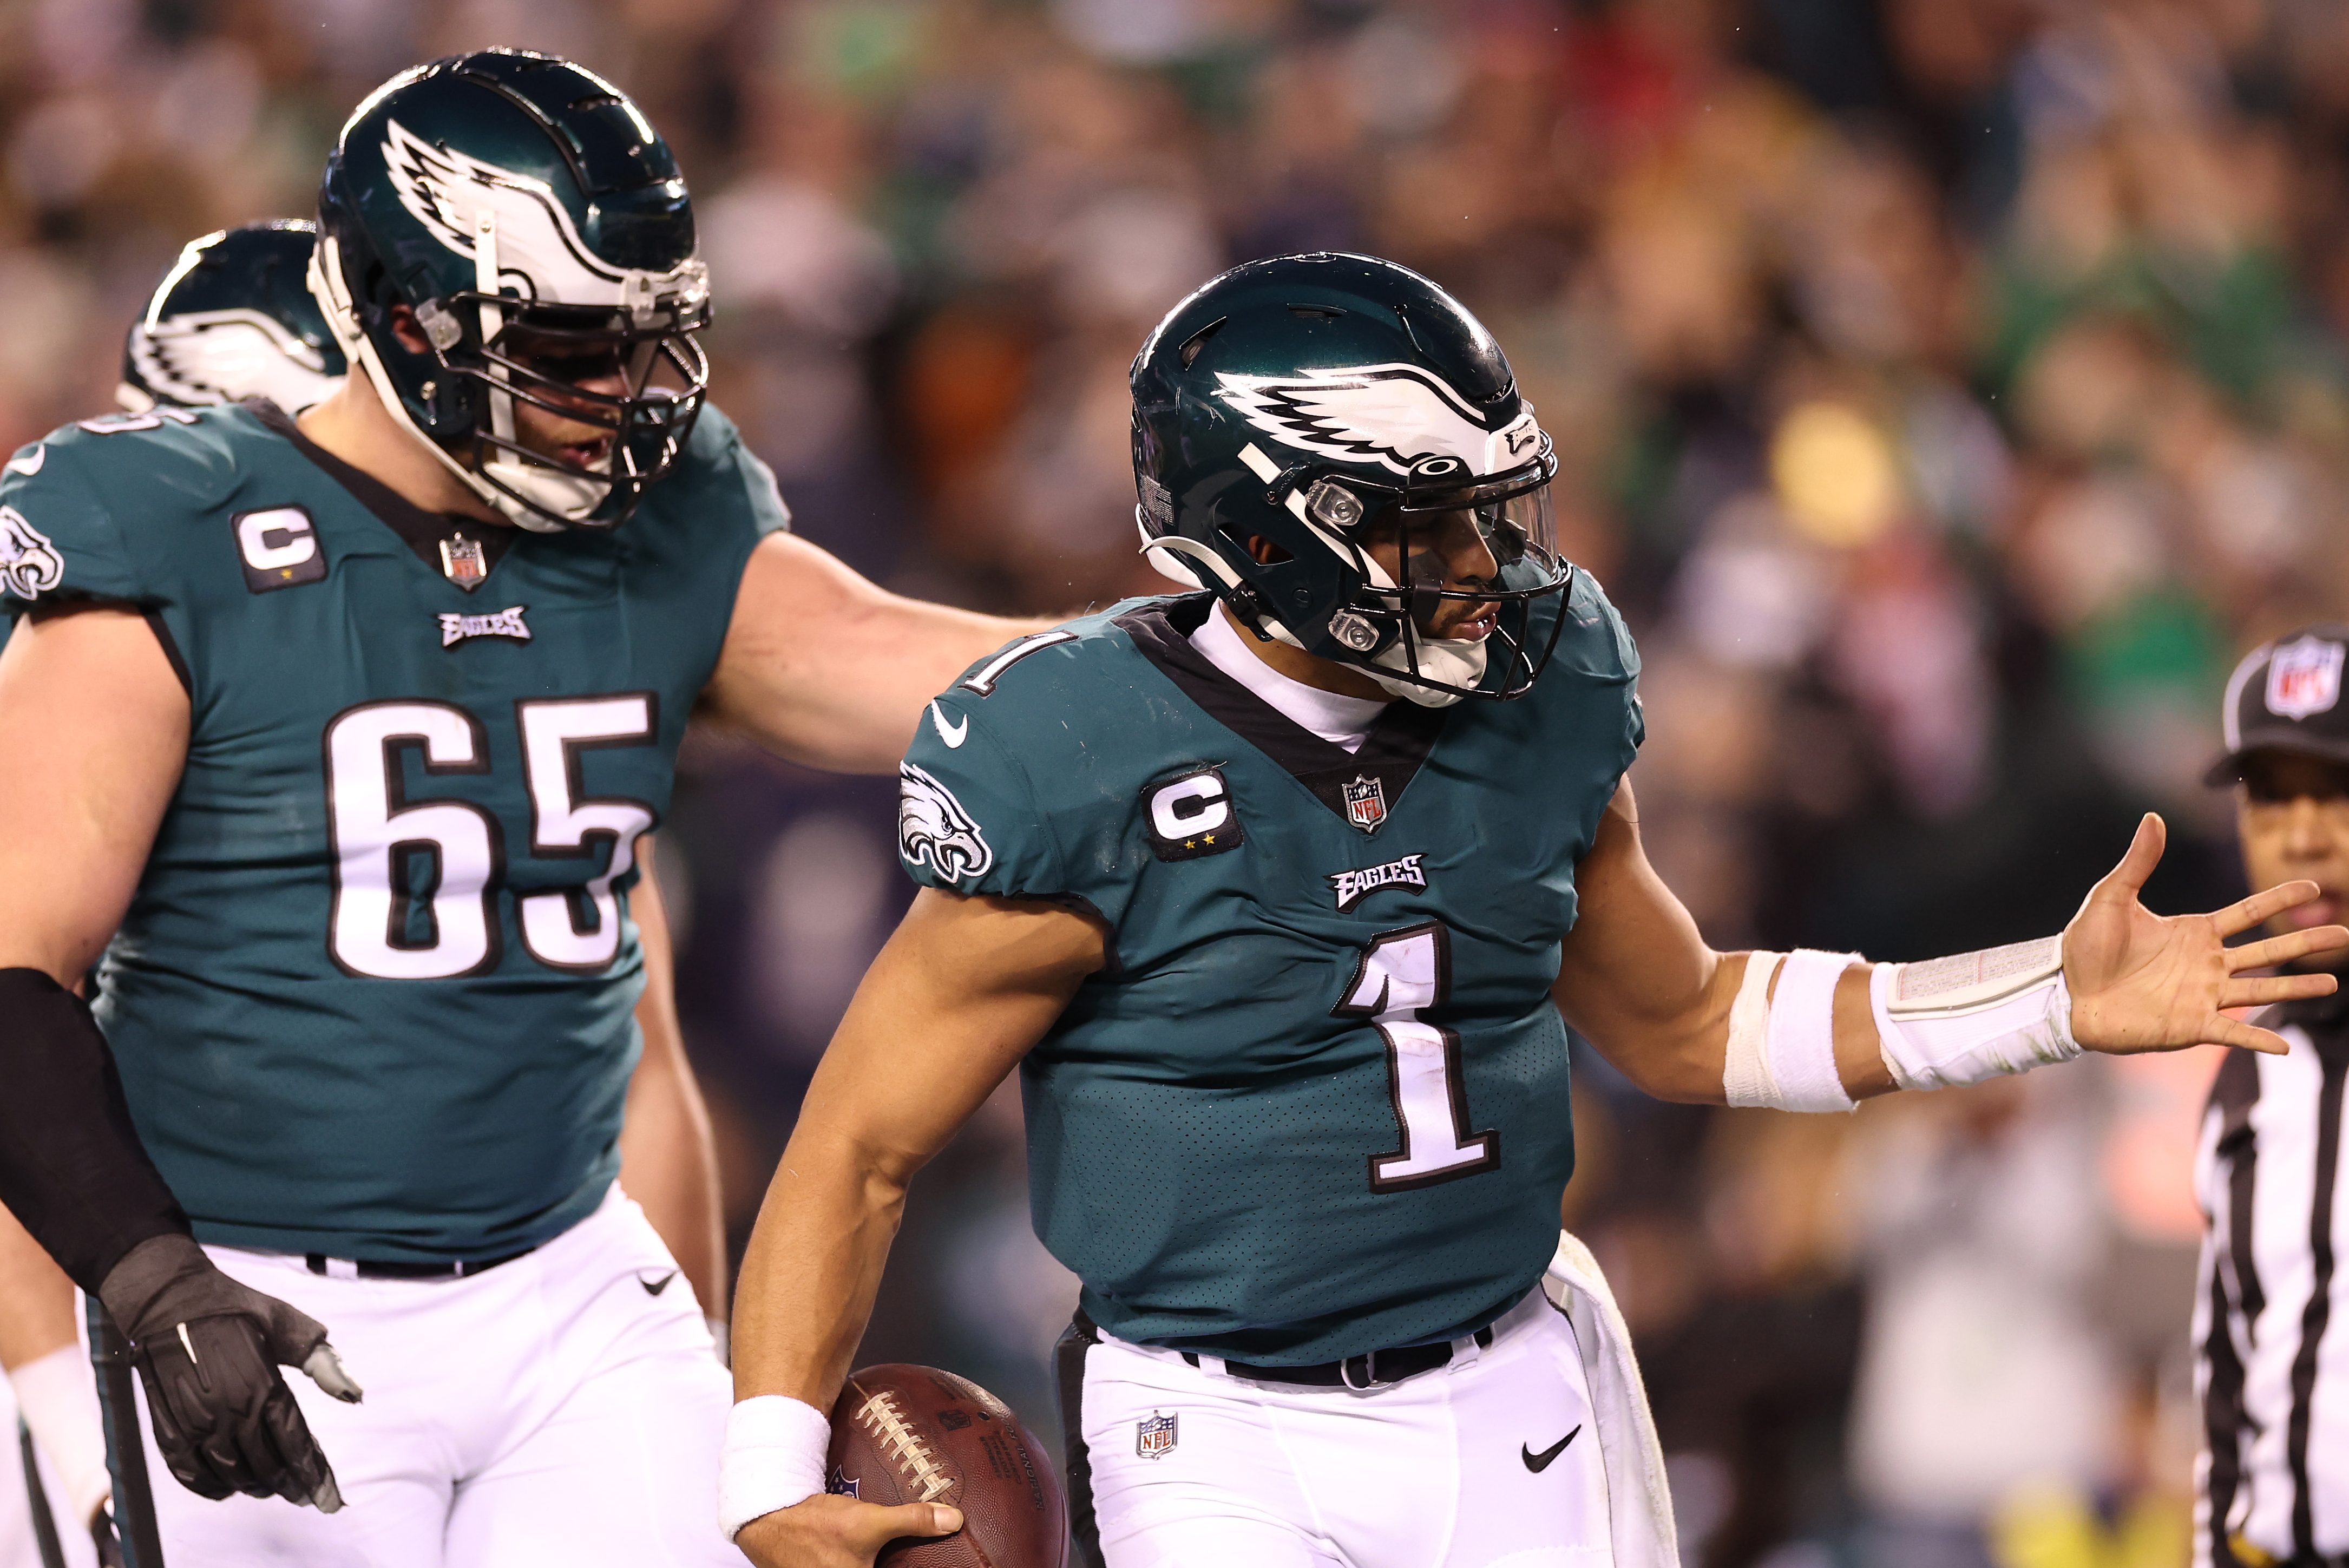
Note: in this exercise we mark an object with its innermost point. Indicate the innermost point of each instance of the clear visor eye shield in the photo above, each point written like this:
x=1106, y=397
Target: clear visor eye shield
x=1471, y=556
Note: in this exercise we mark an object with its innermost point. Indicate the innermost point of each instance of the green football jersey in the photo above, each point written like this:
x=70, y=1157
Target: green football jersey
x=374, y=996
x=1316, y=1104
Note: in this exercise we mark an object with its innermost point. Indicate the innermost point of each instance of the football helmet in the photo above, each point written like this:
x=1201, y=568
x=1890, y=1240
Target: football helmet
x=232, y=319
x=535, y=226
x=1296, y=419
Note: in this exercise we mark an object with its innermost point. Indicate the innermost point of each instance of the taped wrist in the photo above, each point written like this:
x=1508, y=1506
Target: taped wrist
x=1782, y=1042
x=773, y=1459
x=1975, y=1016
x=58, y=1399
x=72, y=1169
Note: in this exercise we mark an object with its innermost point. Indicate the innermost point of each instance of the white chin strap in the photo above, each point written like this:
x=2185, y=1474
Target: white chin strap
x=1452, y=660
x=572, y=498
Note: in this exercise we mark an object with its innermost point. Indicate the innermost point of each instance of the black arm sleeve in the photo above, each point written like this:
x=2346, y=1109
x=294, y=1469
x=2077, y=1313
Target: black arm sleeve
x=72, y=1170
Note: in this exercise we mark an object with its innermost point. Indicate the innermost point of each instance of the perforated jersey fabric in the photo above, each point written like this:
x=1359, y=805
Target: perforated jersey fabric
x=1317, y=1102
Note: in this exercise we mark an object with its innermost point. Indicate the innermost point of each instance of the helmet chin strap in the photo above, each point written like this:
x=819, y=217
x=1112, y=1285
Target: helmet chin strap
x=1453, y=661
x=571, y=497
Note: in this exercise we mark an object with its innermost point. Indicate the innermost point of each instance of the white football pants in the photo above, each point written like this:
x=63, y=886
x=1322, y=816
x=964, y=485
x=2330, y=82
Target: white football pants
x=564, y=1408
x=1436, y=1471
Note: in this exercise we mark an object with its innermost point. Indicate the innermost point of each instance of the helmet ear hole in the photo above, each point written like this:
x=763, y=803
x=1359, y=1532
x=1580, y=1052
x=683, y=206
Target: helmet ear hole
x=1265, y=551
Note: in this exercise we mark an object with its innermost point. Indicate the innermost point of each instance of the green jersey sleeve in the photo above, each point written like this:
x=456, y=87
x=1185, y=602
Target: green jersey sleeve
x=59, y=541
x=999, y=796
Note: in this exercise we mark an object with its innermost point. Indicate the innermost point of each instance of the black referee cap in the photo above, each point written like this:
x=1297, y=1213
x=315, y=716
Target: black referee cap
x=2286, y=696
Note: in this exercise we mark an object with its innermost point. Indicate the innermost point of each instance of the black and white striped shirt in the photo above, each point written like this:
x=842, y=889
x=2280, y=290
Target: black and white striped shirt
x=2272, y=1356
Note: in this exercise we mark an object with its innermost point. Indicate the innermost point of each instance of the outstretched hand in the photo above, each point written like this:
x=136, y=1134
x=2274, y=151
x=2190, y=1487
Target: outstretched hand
x=2145, y=982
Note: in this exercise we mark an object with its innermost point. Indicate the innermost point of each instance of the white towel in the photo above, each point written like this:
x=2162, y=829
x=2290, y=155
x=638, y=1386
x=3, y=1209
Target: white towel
x=1639, y=1501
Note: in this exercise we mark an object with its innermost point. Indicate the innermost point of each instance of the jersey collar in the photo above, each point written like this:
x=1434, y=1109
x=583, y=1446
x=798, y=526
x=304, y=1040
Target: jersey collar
x=422, y=531
x=1399, y=739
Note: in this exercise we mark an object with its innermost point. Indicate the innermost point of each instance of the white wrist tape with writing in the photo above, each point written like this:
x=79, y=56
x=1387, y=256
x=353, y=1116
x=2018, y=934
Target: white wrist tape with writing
x=773, y=1459
x=58, y=1396
x=1974, y=1016
x=1782, y=1042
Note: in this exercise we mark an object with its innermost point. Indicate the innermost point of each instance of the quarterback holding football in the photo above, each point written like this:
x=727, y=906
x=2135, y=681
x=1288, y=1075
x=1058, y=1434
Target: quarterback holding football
x=329, y=740
x=1273, y=893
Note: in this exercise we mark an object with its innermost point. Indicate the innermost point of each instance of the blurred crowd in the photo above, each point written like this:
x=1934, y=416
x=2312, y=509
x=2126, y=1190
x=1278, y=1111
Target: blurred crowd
x=1948, y=389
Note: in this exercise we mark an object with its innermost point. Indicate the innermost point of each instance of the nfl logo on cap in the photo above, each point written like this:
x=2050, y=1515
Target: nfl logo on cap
x=1153, y=1438
x=2304, y=677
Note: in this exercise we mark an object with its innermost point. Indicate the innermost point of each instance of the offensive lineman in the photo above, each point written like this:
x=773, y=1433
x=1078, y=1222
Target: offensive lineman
x=233, y=318
x=1275, y=953
x=349, y=726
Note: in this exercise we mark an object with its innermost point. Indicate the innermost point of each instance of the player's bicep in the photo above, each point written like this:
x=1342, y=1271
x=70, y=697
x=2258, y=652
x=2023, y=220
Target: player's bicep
x=1635, y=976
x=93, y=736
x=963, y=990
x=825, y=667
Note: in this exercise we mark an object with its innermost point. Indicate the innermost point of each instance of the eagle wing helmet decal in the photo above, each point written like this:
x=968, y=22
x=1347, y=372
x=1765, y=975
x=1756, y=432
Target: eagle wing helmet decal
x=197, y=356
x=1396, y=415
x=455, y=195
x=934, y=830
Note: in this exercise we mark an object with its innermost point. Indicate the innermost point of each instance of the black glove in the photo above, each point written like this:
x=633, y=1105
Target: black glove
x=208, y=1349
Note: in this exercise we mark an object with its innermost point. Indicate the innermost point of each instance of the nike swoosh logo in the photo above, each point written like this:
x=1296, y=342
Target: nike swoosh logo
x=30, y=466
x=953, y=734
x=1539, y=1462
x=655, y=1286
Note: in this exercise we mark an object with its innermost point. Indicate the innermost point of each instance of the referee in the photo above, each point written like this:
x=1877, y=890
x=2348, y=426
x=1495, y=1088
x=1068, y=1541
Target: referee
x=2271, y=1356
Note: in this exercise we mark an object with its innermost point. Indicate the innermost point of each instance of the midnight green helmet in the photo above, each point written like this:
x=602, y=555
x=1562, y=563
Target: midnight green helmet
x=537, y=227
x=233, y=318
x=1293, y=410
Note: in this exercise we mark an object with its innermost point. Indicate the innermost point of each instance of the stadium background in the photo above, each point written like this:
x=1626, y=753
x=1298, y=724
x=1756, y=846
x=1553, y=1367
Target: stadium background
x=1947, y=389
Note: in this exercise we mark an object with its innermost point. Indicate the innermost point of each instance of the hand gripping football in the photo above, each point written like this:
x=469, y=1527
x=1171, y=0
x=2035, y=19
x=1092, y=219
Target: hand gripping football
x=914, y=1434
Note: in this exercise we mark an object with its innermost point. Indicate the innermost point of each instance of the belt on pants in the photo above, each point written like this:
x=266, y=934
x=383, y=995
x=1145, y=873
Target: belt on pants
x=365, y=1268
x=1373, y=1370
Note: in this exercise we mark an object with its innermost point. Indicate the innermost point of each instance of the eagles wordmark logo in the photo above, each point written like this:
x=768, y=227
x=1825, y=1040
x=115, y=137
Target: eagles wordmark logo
x=934, y=830
x=1396, y=415
x=1352, y=887
x=30, y=565
x=507, y=623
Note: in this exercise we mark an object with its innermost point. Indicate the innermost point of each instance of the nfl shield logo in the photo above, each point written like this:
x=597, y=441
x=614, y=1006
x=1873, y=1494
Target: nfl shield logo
x=2304, y=678
x=1366, y=802
x=464, y=562
x=1154, y=1439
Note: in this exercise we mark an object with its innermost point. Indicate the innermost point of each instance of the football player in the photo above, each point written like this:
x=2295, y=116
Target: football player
x=1267, y=890
x=232, y=319
x=330, y=742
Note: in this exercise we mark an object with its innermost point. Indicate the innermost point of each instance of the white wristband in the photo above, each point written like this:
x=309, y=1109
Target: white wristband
x=1975, y=1017
x=773, y=1459
x=58, y=1395
x=1782, y=1042
x=1802, y=1031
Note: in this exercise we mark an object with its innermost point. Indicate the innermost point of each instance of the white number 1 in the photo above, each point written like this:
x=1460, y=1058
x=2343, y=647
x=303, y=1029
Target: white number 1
x=1401, y=972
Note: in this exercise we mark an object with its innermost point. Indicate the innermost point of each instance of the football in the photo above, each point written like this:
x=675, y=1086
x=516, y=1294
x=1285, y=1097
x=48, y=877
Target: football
x=914, y=1434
